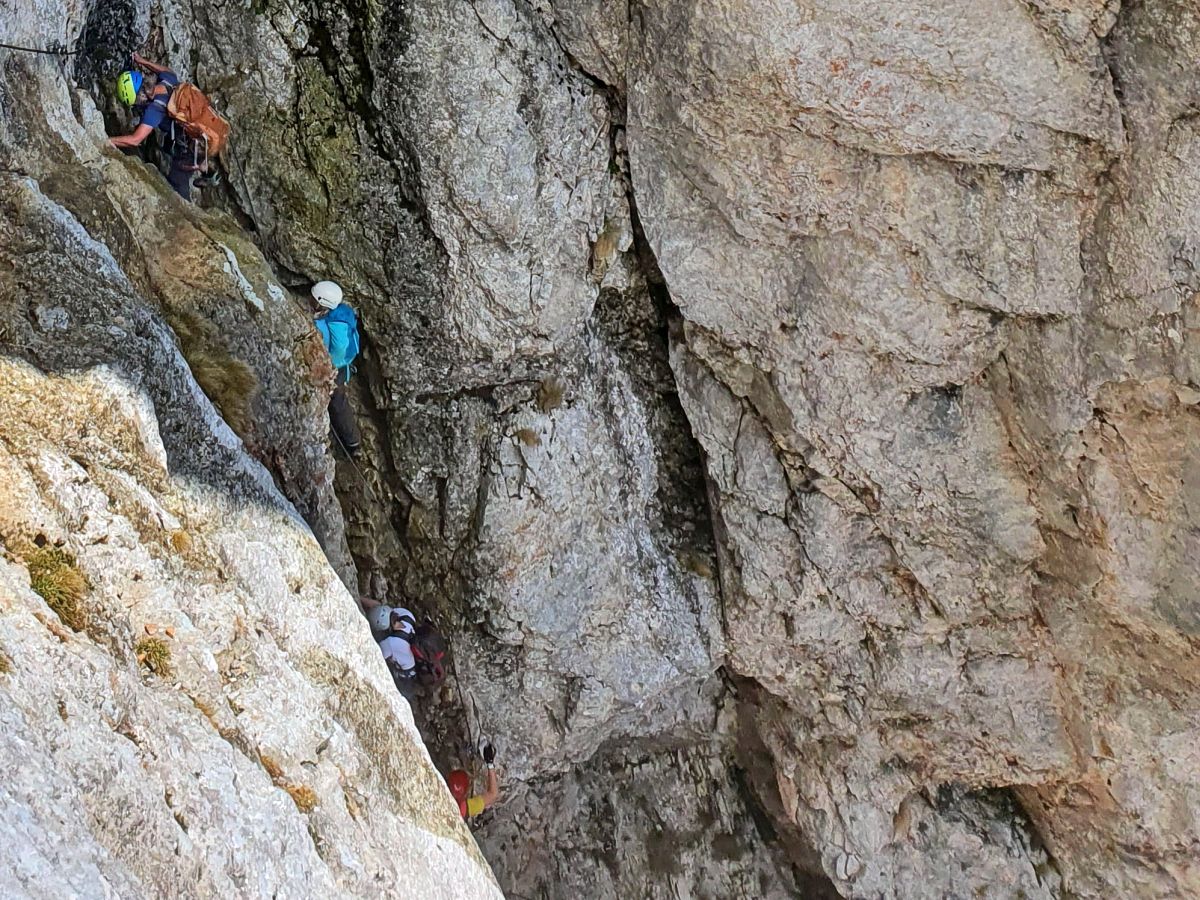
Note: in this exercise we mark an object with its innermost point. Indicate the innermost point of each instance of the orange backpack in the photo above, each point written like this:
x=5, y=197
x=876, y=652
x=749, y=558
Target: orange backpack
x=190, y=108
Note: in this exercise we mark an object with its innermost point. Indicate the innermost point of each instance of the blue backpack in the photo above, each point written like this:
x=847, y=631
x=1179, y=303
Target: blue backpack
x=340, y=325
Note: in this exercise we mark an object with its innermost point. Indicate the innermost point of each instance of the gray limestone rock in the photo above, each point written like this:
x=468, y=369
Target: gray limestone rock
x=787, y=410
x=192, y=704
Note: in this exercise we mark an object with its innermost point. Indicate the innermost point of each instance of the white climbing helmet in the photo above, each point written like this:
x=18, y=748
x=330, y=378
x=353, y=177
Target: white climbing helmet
x=380, y=618
x=327, y=294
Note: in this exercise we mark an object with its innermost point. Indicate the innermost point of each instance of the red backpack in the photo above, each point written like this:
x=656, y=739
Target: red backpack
x=428, y=650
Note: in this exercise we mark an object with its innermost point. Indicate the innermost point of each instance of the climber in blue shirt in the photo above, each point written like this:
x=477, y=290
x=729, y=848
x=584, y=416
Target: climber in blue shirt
x=149, y=97
x=338, y=326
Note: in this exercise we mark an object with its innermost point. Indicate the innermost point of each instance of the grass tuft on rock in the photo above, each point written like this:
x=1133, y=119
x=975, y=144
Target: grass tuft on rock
x=6, y=665
x=53, y=575
x=181, y=541
x=228, y=382
x=528, y=437
x=550, y=395
x=155, y=654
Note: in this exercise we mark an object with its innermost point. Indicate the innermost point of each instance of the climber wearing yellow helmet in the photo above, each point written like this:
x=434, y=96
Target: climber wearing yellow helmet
x=150, y=97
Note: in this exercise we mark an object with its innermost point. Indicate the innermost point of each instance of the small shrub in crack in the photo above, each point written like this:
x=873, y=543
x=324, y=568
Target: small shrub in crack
x=697, y=564
x=6, y=665
x=53, y=575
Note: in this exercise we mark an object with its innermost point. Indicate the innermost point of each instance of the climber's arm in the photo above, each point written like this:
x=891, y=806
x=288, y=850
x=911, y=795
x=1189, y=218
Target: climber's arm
x=133, y=139
x=146, y=64
x=492, y=794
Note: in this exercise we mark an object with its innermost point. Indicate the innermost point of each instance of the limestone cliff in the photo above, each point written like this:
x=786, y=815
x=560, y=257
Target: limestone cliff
x=786, y=408
x=191, y=703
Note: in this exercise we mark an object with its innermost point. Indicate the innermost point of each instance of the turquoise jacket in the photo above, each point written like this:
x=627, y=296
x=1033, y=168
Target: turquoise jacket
x=339, y=330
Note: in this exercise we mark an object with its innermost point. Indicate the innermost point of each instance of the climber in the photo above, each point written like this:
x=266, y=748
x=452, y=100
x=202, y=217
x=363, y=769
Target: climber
x=150, y=97
x=415, y=654
x=459, y=783
x=397, y=650
x=388, y=620
x=338, y=326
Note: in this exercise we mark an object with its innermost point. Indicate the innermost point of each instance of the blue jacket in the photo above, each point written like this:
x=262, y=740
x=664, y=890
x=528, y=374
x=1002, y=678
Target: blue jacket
x=339, y=330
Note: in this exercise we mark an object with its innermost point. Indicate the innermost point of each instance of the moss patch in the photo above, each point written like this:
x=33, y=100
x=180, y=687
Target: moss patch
x=53, y=575
x=155, y=654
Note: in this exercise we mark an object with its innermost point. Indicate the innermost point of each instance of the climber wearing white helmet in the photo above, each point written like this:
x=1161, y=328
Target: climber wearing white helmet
x=338, y=326
x=415, y=654
x=327, y=294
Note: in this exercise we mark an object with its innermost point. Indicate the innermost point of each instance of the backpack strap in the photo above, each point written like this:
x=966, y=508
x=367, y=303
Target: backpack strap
x=162, y=101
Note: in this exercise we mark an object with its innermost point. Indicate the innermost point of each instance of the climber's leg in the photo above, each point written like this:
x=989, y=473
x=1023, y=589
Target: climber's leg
x=180, y=177
x=182, y=168
x=341, y=418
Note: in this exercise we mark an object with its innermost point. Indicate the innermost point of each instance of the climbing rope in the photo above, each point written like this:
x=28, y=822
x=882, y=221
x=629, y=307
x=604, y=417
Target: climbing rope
x=354, y=465
x=474, y=739
x=54, y=50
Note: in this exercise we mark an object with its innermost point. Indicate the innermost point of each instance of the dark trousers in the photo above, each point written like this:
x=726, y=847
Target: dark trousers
x=181, y=156
x=180, y=176
x=180, y=173
x=341, y=417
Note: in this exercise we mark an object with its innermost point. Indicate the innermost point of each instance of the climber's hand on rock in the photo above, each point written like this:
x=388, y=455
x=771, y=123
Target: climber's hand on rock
x=489, y=754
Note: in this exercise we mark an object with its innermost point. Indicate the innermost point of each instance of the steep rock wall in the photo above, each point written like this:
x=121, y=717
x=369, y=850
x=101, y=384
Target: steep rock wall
x=939, y=283
x=930, y=262
x=928, y=274
x=192, y=704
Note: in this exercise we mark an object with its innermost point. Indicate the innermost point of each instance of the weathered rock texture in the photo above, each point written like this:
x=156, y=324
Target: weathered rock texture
x=787, y=408
x=935, y=263
x=530, y=477
x=213, y=720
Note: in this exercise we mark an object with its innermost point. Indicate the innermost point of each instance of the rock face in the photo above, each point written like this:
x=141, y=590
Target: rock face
x=191, y=703
x=785, y=408
x=918, y=407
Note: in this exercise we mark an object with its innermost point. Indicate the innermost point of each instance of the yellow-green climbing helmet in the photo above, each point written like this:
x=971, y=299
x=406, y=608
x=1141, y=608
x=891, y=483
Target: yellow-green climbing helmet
x=128, y=86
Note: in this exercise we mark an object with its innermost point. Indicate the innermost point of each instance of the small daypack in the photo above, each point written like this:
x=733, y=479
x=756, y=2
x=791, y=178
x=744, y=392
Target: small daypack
x=428, y=649
x=190, y=108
